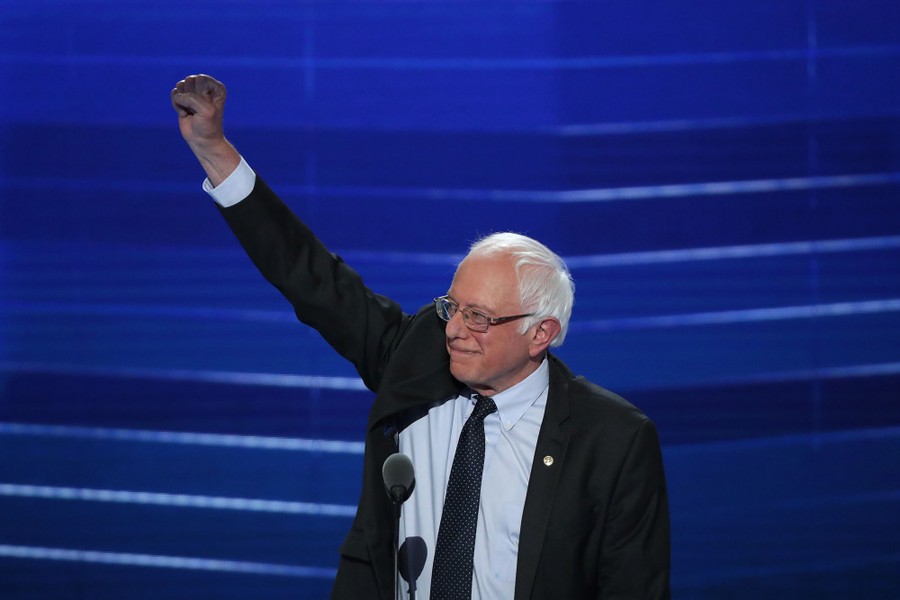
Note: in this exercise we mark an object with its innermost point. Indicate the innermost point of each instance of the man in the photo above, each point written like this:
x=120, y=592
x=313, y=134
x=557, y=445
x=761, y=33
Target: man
x=572, y=500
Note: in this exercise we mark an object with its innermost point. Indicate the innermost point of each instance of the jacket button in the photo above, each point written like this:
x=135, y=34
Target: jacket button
x=548, y=460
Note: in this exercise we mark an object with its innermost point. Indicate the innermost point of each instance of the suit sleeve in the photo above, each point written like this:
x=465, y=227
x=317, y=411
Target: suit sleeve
x=635, y=546
x=325, y=292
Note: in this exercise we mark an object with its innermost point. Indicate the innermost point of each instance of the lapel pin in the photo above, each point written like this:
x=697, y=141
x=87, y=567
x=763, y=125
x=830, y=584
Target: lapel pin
x=548, y=460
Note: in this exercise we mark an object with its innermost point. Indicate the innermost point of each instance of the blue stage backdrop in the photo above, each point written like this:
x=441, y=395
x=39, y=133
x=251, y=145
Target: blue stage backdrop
x=723, y=178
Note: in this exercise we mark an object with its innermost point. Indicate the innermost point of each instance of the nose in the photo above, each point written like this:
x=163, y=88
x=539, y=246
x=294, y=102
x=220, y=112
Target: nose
x=456, y=326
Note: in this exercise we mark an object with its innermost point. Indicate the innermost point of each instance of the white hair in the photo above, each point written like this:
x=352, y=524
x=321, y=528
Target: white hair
x=545, y=285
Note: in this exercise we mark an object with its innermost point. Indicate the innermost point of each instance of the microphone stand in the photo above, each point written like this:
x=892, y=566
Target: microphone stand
x=399, y=481
x=397, y=595
x=395, y=495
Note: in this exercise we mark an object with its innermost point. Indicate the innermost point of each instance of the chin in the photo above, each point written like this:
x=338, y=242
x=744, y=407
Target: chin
x=460, y=373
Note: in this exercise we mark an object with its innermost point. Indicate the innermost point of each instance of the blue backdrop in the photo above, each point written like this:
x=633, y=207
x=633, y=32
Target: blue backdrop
x=722, y=177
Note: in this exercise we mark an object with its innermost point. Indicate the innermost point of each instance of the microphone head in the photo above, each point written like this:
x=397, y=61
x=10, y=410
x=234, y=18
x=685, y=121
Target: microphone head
x=411, y=560
x=399, y=477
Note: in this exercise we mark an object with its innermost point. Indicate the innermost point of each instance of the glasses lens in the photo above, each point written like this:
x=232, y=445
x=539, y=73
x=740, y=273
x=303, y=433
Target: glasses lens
x=444, y=309
x=475, y=320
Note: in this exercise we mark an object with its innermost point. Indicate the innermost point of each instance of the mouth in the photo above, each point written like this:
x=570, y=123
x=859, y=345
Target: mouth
x=459, y=352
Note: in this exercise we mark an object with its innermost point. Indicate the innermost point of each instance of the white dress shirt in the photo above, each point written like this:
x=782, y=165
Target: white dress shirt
x=510, y=439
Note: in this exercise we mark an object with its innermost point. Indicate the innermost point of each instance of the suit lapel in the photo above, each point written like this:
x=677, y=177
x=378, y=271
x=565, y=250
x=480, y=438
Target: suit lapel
x=553, y=441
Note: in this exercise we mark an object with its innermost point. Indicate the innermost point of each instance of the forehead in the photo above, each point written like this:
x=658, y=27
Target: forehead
x=487, y=282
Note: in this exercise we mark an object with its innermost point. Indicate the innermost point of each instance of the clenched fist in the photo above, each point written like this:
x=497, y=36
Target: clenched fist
x=199, y=101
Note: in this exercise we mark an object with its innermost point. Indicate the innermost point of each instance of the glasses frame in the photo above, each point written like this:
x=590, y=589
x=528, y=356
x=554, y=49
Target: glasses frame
x=467, y=314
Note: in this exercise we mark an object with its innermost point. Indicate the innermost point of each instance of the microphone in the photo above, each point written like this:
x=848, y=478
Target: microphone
x=412, y=557
x=399, y=477
x=399, y=480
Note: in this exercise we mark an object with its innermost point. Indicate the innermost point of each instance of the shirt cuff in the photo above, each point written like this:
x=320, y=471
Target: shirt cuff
x=235, y=188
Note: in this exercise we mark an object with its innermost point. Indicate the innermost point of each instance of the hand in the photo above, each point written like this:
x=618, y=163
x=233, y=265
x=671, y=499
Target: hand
x=199, y=101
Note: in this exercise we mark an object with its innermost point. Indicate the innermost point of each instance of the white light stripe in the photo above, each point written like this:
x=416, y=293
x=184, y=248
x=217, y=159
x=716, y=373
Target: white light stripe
x=178, y=500
x=165, y=562
x=230, y=378
x=734, y=252
x=177, y=437
x=708, y=253
x=580, y=62
x=823, y=373
x=726, y=188
x=147, y=311
x=782, y=313
x=783, y=442
x=609, y=128
x=842, y=372
x=616, y=194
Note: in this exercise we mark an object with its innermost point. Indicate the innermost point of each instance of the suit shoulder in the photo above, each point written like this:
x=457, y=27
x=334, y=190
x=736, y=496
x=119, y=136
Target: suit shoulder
x=594, y=402
x=600, y=398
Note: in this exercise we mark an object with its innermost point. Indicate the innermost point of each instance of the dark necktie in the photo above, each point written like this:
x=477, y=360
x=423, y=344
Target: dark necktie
x=451, y=575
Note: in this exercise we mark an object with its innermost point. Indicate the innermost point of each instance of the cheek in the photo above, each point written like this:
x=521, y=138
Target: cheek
x=491, y=359
x=505, y=355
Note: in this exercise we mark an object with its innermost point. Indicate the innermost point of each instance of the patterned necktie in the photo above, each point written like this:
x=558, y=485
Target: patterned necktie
x=451, y=577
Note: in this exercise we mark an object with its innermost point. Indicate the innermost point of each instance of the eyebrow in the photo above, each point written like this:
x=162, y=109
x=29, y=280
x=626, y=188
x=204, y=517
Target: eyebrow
x=480, y=308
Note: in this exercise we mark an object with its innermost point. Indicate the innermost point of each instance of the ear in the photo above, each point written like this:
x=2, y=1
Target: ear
x=544, y=333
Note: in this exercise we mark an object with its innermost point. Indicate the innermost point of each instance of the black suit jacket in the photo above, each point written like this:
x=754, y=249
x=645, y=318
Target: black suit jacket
x=595, y=521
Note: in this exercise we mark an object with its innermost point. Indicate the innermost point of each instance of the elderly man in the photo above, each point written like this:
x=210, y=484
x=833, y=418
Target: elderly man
x=530, y=482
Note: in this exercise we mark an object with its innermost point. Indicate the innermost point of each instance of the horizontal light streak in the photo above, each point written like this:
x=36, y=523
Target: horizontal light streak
x=164, y=562
x=393, y=258
x=590, y=195
x=459, y=64
x=277, y=443
x=726, y=188
x=781, y=313
x=708, y=123
x=149, y=310
x=795, y=375
x=378, y=257
x=347, y=383
x=802, y=504
x=777, y=313
x=724, y=317
x=585, y=129
x=650, y=257
x=184, y=438
x=839, y=372
x=772, y=250
x=794, y=440
x=176, y=500
x=617, y=194
x=720, y=575
x=313, y=382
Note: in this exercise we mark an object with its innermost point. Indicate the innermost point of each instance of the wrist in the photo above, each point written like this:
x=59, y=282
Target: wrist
x=218, y=158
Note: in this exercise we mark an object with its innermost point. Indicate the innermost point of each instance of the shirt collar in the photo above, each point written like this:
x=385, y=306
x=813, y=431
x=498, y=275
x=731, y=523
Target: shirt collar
x=513, y=402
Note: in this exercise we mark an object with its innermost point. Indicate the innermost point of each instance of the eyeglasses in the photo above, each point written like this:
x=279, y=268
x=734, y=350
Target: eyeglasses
x=474, y=320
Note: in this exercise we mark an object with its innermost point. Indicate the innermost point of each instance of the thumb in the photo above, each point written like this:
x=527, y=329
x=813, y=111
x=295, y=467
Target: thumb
x=181, y=104
x=187, y=104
